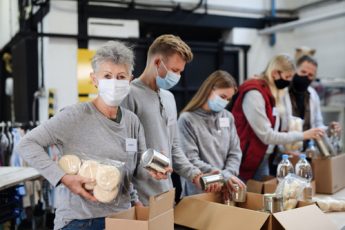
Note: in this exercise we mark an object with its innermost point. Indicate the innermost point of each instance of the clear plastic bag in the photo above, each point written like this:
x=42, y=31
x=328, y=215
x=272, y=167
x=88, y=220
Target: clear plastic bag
x=330, y=204
x=108, y=175
x=295, y=124
x=291, y=189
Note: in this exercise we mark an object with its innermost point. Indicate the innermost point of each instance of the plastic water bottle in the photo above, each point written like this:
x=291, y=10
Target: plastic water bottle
x=284, y=168
x=311, y=151
x=304, y=170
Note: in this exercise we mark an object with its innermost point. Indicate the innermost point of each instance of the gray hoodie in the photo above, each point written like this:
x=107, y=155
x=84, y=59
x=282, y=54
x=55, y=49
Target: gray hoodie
x=210, y=142
x=157, y=113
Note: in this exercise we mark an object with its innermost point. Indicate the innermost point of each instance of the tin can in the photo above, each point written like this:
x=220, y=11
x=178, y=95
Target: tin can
x=229, y=203
x=206, y=181
x=308, y=193
x=324, y=145
x=154, y=160
x=272, y=203
x=238, y=194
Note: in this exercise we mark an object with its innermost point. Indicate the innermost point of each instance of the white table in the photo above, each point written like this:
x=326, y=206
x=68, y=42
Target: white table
x=12, y=176
x=337, y=217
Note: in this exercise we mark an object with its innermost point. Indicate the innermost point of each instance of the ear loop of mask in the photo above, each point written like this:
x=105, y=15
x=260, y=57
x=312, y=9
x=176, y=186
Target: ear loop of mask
x=164, y=68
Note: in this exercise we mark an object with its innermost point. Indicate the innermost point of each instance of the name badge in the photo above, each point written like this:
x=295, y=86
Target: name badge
x=131, y=145
x=275, y=111
x=224, y=122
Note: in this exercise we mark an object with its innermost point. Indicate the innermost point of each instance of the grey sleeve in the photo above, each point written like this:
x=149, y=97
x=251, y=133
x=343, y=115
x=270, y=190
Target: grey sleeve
x=31, y=147
x=129, y=103
x=181, y=164
x=189, y=145
x=254, y=109
x=233, y=160
x=141, y=148
x=317, y=113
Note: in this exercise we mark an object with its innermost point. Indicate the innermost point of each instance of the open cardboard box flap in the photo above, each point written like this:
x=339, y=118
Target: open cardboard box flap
x=304, y=218
x=161, y=203
x=203, y=212
x=158, y=215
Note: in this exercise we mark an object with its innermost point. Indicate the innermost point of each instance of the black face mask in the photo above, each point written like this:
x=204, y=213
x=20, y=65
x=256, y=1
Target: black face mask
x=281, y=83
x=300, y=83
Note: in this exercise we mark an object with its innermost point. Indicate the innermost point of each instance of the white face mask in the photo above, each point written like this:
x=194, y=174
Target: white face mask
x=113, y=91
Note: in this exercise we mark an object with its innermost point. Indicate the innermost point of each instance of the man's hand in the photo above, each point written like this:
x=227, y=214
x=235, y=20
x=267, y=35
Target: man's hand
x=336, y=127
x=159, y=175
x=75, y=184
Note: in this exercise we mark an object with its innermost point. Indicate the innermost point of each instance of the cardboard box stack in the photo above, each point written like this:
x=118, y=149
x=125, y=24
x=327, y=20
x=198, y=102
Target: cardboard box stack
x=267, y=185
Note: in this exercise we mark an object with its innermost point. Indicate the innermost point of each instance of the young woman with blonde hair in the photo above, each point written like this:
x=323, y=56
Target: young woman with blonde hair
x=208, y=133
x=257, y=110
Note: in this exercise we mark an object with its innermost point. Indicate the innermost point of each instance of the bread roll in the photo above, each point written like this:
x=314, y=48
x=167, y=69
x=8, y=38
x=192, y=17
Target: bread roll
x=89, y=169
x=290, y=204
x=323, y=205
x=105, y=196
x=70, y=164
x=107, y=177
x=343, y=204
x=335, y=205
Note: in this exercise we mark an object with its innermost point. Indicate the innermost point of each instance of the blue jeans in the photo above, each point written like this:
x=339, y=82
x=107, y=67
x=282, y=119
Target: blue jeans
x=263, y=169
x=87, y=224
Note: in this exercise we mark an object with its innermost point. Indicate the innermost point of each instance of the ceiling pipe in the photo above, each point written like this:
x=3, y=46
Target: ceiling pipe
x=302, y=22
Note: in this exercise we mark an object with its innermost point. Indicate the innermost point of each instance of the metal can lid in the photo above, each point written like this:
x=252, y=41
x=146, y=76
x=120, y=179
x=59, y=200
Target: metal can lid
x=147, y=156
x=267, y=195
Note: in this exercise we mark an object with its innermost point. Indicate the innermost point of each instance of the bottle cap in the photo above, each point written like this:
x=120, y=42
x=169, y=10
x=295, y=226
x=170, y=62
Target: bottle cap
x=302, y=156
x=285, y=156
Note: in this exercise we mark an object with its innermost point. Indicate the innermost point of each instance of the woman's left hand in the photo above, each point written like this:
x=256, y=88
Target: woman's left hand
x=235, y=180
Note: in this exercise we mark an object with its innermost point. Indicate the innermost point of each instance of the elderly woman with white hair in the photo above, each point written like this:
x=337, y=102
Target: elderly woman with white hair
x=97, y=129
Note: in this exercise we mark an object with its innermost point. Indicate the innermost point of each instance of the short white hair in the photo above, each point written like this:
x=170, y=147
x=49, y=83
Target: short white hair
x=115, y=52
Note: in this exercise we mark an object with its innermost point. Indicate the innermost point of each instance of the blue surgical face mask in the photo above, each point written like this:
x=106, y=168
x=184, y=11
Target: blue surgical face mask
x=169, y=81
x=217, y=104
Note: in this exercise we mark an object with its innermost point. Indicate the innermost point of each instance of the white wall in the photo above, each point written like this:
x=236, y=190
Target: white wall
x=327, y=37
x=9, y=24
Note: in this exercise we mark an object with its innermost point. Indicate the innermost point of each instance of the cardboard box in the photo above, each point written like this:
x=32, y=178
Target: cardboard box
x=329, y=174
x=205, y=211
x=159, y=215
x=267, y=185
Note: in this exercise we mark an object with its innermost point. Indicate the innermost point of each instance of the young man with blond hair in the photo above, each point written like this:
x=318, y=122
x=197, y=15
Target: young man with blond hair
x=155, y=107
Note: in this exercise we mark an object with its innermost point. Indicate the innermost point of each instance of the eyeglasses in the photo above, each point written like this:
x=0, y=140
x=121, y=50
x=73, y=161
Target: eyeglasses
x=110, y=75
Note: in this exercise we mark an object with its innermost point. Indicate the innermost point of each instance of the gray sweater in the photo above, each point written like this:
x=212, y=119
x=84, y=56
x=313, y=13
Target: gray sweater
x=254, y=109
x=210, y=142
x=157, y=113
x=81, y=128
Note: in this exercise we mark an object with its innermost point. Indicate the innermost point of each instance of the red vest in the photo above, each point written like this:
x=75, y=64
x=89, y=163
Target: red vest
x=253, y=150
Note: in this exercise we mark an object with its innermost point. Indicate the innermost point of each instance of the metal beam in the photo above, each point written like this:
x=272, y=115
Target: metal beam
x=179, y=17
x=302, y=22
